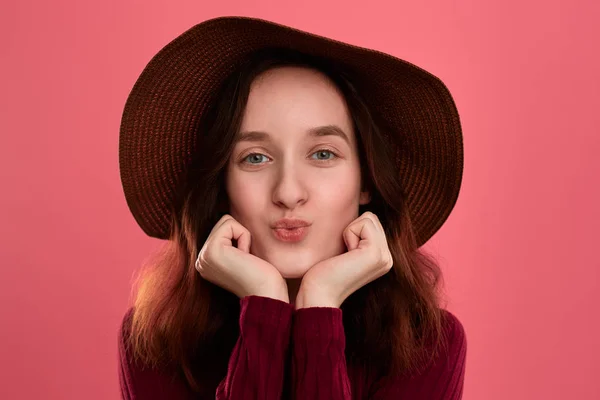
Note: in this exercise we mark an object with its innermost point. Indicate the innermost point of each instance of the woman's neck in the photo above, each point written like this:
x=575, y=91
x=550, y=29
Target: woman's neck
x=293, y=287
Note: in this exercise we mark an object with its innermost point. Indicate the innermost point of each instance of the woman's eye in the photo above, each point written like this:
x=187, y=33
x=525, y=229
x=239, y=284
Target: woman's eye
x=254, y=157
x=325, y=153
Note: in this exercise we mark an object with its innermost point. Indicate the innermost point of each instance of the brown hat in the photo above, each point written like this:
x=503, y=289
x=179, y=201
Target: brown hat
x=162, y=113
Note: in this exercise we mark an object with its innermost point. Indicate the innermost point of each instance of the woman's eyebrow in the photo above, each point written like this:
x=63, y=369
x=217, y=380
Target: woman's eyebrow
x=329, y=130
x=326, y=130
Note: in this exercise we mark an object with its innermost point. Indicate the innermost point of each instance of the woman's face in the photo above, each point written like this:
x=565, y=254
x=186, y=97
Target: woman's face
x=296, y=157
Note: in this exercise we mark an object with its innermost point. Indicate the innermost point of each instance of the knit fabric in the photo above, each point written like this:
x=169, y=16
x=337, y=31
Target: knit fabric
x=312, y=341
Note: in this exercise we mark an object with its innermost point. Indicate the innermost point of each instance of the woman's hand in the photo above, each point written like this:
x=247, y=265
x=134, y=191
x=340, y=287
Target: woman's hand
x=329, y=282
x=235, y=269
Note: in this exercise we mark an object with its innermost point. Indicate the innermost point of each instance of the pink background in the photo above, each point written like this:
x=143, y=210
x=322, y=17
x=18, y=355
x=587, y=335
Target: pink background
x=519, y=252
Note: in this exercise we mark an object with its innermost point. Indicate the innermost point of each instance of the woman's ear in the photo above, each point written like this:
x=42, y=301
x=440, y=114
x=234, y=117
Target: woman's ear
x=365, y=198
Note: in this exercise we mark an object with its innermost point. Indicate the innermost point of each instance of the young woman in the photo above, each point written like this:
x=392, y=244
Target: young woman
x=295, y=178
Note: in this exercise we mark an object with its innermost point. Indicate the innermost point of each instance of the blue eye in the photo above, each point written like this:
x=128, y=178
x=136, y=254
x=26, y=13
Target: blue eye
x=323, y=151
x=255, y=155
x=255, y=158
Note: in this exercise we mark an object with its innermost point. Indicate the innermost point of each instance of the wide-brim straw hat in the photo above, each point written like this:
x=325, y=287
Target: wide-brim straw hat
x=159, y=127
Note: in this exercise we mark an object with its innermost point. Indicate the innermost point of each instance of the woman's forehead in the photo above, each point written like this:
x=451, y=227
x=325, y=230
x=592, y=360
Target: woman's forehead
x=295, y=99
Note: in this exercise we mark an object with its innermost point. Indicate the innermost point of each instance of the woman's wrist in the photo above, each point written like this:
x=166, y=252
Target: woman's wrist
x=275, y=291
x=312, y=298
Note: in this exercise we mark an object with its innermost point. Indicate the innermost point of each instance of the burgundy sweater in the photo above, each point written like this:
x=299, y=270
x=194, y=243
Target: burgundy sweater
x=270, y=330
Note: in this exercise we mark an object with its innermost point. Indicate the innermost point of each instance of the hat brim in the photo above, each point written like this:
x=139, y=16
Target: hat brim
x=161, y=116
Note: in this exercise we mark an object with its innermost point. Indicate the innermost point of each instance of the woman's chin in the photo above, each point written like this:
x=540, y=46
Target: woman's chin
x=290, y=271
x=292, y=264
x=292, y=274
x=292, y=267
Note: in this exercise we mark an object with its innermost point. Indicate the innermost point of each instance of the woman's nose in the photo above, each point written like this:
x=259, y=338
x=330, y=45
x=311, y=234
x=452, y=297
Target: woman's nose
x=289, y=190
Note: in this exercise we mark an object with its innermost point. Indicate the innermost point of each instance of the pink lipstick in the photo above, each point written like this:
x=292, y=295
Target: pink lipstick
x=290, y=229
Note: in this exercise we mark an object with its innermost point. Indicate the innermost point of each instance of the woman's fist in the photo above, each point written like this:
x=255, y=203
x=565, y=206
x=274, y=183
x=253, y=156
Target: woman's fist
x=234, y=268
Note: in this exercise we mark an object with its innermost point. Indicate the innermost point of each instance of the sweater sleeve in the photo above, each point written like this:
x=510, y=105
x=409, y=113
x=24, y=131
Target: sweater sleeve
x=318, y=360
x=442, y=380
x=257, y=363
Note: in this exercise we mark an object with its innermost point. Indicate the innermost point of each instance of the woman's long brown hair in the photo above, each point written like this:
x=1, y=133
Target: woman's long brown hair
x=393, y=325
